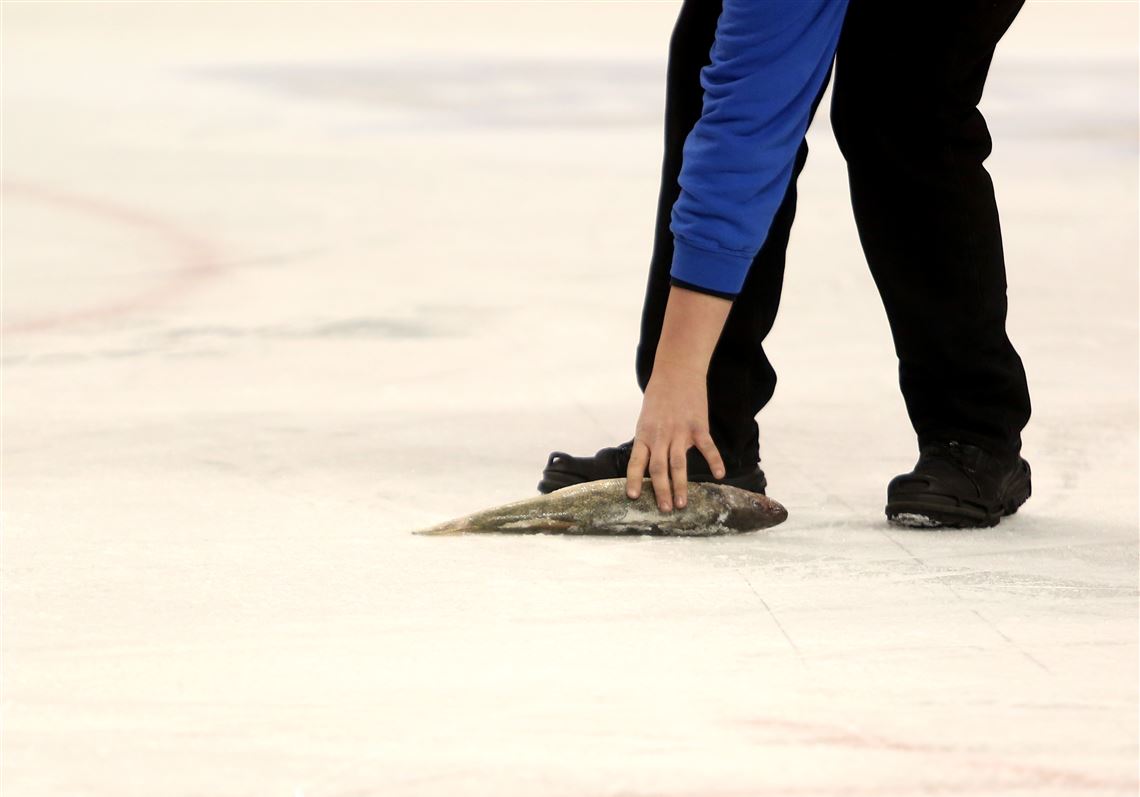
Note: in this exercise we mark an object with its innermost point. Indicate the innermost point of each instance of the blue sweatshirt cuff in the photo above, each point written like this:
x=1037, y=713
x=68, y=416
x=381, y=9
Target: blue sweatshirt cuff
x=718, y=271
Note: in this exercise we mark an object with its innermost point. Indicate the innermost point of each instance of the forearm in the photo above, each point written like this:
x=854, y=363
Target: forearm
x=693, y=323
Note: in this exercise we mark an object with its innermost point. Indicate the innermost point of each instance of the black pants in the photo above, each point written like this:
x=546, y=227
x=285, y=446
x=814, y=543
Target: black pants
x=908, y=78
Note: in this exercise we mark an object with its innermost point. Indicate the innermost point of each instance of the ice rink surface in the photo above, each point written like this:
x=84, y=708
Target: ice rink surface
x=283, y=282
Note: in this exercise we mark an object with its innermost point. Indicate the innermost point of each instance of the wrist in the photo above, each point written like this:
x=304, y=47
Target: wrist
x=674, y=367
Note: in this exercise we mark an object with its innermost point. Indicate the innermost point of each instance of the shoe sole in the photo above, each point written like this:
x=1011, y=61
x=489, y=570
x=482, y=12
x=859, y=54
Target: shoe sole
x=753, y=482
x=942, y=511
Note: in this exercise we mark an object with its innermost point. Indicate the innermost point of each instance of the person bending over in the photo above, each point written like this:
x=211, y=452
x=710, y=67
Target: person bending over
x=744, y=79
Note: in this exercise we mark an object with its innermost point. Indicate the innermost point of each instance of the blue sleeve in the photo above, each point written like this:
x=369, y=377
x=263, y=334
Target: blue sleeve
x=769, y=60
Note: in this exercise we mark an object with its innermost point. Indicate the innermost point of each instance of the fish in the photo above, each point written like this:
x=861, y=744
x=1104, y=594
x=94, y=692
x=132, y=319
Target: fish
x=601, y=507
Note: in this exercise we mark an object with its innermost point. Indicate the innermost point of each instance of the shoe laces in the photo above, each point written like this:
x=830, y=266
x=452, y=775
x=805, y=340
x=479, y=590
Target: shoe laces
x=969, y=458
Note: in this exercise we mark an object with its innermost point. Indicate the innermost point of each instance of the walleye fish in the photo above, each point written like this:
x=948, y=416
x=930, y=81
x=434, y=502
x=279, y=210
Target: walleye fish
x=602, y=508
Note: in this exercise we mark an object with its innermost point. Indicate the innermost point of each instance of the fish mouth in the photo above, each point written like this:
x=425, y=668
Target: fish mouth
x=758, y=516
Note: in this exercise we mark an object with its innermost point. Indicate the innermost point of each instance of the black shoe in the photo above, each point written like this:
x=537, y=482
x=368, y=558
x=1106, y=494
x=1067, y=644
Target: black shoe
x=563, y=470
x=958, y=485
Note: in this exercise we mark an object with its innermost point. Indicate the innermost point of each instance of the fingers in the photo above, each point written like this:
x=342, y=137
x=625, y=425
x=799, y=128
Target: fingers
x=659, y=474
x=677, y=468
x=708, y=449
x=667, y=468
x=658, y=466
x=635, y=471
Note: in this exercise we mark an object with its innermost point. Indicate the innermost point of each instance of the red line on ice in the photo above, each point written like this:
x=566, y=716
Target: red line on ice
x=195, y=257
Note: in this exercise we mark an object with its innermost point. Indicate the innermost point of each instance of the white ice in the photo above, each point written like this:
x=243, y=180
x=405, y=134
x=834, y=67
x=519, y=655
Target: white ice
x=285, y=281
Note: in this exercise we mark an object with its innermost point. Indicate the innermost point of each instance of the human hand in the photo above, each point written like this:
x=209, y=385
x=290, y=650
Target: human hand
x=674, y=418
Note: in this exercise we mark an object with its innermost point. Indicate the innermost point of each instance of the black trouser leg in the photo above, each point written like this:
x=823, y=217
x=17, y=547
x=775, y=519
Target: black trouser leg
x=740, y=378
x=908, y=80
